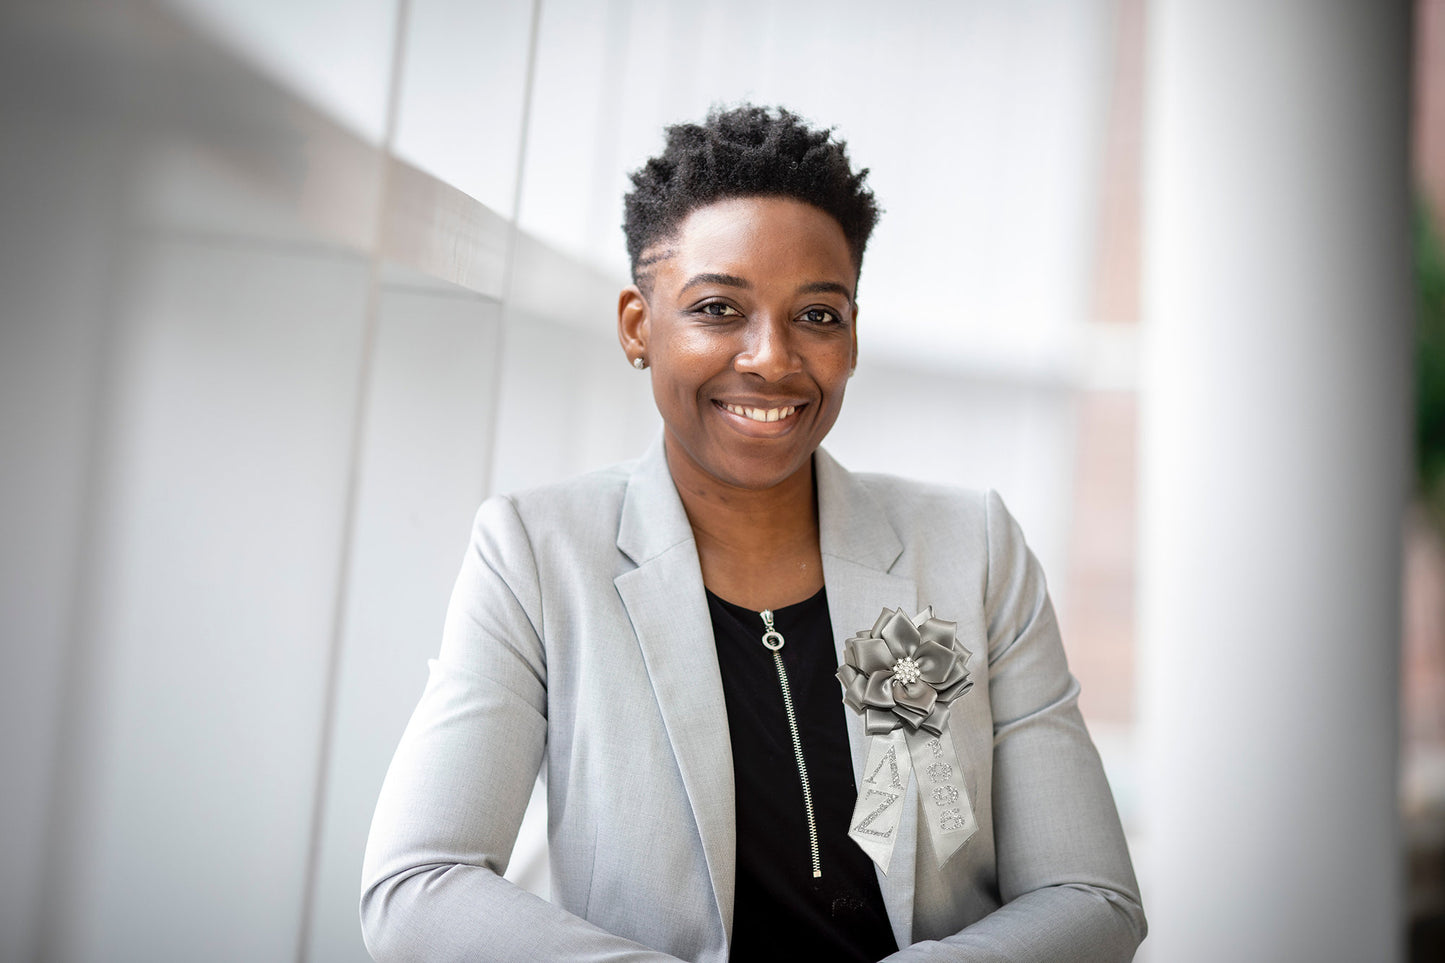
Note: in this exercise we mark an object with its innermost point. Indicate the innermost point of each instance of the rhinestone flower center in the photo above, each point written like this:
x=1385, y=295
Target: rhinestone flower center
x=906, y=671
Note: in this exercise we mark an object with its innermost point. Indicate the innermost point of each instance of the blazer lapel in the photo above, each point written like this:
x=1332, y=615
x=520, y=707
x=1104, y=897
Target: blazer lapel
x=665, y=601
x=859, y=548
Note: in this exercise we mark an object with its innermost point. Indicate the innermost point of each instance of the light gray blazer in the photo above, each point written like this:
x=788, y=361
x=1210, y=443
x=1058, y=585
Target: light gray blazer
x=578, y=639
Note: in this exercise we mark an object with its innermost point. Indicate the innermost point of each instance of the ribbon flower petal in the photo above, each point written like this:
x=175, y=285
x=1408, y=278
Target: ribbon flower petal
x=905, y=671
x=873, y=655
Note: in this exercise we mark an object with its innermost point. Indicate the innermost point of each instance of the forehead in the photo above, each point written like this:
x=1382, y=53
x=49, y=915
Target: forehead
x=759, y=238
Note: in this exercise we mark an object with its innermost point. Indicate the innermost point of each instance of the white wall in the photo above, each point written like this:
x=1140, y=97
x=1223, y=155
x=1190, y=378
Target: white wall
x=288, y=288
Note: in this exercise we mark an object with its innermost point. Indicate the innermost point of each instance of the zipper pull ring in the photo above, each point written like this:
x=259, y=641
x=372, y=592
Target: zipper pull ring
x=772, y=638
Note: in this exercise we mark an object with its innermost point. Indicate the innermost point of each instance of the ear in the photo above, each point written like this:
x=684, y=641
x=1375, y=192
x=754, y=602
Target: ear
x=632, y=322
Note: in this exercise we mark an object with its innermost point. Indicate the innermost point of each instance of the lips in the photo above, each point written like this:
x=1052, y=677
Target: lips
x=760, y=414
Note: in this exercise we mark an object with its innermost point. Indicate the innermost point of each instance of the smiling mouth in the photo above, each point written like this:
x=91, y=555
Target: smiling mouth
x=760, y=414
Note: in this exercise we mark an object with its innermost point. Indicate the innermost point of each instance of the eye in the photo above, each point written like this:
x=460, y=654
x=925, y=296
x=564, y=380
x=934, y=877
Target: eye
x=717, y=309
x=821, y=316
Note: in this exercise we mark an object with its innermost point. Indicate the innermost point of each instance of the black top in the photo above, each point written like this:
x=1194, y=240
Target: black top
x=781, y=911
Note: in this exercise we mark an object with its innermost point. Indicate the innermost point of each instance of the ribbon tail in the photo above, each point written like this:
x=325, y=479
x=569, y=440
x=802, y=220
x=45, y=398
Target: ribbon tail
x=881, y=795
x=943, y=803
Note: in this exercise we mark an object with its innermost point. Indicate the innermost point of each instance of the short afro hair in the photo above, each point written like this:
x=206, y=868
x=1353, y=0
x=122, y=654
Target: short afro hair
x=746, y=151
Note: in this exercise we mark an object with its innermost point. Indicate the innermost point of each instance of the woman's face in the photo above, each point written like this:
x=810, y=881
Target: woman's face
x=749, y=333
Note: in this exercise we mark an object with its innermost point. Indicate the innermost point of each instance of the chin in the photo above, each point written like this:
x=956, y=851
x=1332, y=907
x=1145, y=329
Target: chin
x=760, y=474
x=752, y=469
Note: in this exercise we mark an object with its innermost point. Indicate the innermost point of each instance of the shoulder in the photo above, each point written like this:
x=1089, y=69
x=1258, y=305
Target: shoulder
x=946, y=532
x=575, y=511
x=573, y=498
x=916, y=507
x=526, y=544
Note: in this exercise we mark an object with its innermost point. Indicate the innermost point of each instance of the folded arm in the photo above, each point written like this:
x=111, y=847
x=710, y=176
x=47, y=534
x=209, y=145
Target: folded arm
x=1064, y=875
x=458, y=785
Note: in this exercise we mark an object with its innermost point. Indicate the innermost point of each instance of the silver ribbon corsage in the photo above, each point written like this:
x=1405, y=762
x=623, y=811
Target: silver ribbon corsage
x=902, y=676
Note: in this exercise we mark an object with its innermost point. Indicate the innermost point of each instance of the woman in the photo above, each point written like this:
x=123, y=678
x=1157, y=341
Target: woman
x=664, y=636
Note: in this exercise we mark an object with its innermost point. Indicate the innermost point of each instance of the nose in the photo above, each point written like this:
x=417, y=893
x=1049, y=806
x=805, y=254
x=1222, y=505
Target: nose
x=769, y=350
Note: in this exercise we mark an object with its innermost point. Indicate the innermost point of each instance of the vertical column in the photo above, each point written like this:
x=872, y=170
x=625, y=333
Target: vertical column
x=1274, y=454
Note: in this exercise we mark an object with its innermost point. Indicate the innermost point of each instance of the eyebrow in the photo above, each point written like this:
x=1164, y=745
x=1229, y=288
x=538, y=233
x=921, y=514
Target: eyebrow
x=733, y=281
x=826, y=287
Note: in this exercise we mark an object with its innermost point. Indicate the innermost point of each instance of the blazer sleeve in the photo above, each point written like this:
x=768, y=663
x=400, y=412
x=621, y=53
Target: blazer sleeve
x=1064, y=875
x=454, y=795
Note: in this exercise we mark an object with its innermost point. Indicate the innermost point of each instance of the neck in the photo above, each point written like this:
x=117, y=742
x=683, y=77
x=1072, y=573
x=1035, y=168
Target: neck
x=758, y=549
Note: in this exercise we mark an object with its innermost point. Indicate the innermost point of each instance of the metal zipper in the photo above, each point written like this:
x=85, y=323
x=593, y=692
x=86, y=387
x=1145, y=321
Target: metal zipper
x=773, y=640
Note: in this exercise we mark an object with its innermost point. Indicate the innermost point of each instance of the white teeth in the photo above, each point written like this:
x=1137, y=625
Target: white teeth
x=761, y=414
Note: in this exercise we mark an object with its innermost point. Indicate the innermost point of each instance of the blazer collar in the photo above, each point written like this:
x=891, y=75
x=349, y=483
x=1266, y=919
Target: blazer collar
x=665, y=601
x=852, y=525
x=653, y=519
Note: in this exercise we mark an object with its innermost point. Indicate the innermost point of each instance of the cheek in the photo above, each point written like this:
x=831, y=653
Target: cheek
x=833, y=373
x=679, y=370
x=835, y=404
x=688, y=361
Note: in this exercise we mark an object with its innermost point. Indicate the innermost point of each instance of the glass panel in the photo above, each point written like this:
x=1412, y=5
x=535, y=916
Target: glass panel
x=427, y=436
x=212, y=601
x=463, y=83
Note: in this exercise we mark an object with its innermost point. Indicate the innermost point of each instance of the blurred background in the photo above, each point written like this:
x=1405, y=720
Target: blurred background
x=286, y=289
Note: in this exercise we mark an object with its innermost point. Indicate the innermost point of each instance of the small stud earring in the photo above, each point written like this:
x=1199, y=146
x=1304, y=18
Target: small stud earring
x=638, y=363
